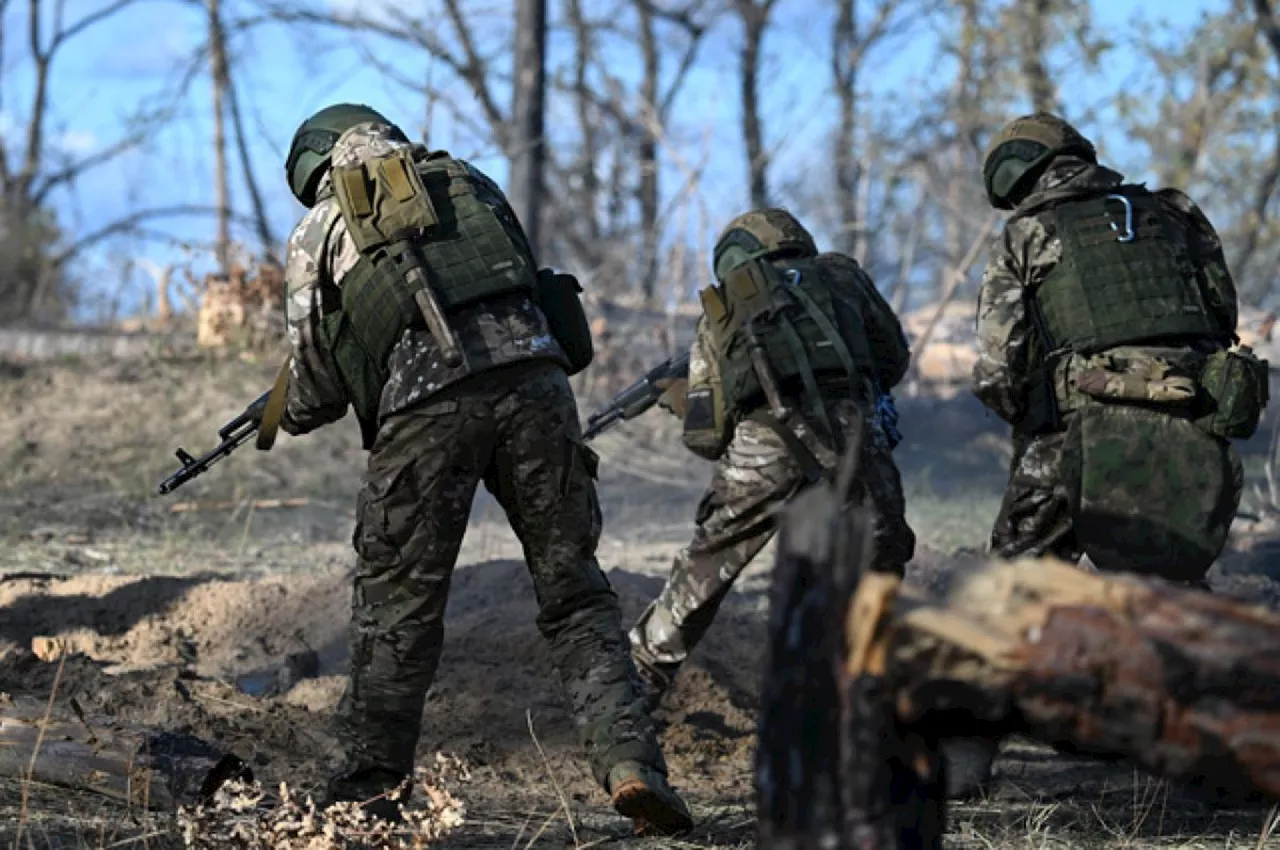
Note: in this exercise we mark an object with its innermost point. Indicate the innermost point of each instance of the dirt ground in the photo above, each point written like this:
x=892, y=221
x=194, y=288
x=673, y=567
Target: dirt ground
x=226, y=621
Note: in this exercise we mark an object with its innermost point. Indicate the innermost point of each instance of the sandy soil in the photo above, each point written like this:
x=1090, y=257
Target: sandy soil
x=229, y=625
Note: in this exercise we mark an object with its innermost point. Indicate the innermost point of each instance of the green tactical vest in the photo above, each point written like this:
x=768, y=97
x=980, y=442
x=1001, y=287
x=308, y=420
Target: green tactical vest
x=1124, y=278
x=811, y=336
x=472, y=248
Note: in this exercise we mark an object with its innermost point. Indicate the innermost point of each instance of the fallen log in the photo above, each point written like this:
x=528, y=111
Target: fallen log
x=139, y=766
x=865, y=677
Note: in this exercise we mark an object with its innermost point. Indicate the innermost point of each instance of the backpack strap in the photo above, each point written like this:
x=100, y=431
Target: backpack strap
x=810, y=382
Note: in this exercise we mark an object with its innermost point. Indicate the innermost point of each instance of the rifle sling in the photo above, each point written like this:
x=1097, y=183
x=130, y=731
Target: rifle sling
x=273, y=412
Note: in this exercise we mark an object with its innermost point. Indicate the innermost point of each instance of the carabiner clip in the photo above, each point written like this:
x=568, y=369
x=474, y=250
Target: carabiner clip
x=1127, y=236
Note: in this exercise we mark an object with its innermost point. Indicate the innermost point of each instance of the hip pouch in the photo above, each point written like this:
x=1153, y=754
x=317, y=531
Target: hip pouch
x=1149, y=493
x=1235, y=388
x=557, y=296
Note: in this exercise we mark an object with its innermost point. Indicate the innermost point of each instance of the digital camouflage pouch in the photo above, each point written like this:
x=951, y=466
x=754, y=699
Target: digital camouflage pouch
x=1237, y=387
x=1149, y=492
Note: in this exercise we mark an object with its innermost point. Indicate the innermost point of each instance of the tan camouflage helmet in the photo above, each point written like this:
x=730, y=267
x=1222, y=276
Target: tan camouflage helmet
x=1019, y=153
x=760, y=233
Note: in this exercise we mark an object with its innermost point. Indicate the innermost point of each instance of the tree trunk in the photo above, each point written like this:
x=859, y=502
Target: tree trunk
x=755, y=20
x=866, y=676
x=526, y=149
x=845, y=73
x=1040, y=90
x=648, y=191
x=218, y=73
x=117, y=760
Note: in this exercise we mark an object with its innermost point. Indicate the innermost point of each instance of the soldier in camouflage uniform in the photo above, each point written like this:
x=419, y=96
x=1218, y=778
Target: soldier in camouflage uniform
x=1105, y=322
x=775, y=288
x=504, y=415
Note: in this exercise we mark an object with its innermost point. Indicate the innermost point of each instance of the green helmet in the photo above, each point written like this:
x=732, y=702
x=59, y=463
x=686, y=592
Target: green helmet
x=1020, y=152
x=314, y=140
x=757, y=234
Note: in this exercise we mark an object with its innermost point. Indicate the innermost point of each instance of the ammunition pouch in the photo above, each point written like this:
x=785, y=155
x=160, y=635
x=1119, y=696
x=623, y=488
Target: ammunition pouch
x=1235, y=388
x=557, y=296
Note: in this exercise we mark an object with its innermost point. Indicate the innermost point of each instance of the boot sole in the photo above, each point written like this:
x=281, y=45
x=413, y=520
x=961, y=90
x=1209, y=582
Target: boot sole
x=649, y=810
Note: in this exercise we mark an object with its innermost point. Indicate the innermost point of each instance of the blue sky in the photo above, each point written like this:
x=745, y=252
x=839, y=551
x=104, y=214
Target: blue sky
x=107, y=71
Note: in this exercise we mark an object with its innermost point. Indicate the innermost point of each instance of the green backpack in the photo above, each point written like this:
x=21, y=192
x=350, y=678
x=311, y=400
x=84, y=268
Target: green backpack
x=811, y=335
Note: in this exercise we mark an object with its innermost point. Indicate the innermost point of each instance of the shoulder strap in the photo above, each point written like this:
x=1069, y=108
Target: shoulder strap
x=830, y=331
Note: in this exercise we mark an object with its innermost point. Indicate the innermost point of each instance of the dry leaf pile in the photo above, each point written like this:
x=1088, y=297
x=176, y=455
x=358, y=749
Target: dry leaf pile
x=242, y=816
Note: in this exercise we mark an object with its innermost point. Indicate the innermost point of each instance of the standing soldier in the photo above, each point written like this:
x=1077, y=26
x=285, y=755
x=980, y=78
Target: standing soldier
x=414, y=298
x=1106, y=323
x=795, y=353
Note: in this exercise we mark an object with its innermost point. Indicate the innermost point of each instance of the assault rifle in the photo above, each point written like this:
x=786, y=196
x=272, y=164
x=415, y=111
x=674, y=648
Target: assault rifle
x=262, y=417
x=638, y=397
x=233, y=434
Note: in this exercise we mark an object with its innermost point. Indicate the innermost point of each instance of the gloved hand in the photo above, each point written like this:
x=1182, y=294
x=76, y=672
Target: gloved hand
x=675, y=395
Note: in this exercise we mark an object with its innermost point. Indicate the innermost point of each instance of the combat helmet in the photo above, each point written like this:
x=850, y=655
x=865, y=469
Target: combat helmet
x=1020, y=152
x=759, y=234
x=314, y=140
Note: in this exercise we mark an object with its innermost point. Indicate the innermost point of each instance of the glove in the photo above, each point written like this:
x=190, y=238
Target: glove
x=674, y=398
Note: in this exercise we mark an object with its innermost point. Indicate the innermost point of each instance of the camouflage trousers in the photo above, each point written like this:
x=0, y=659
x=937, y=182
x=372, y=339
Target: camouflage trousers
x=736, y=519
x=516, y=429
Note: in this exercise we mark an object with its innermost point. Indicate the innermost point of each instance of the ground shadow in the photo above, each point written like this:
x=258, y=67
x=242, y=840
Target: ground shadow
x=110, y=614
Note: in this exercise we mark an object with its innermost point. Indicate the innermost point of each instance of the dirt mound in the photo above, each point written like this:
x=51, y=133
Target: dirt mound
x=138, y=641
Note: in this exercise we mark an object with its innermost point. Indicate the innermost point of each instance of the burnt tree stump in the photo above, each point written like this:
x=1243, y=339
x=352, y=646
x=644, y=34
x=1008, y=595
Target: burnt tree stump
x=865, y=676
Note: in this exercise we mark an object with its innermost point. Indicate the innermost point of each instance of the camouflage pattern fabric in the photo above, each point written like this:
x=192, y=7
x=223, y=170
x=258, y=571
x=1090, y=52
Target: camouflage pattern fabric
x=516, y=429
x=320, y=253
x=756, y=473
x=735, y=520
x=1037, y=514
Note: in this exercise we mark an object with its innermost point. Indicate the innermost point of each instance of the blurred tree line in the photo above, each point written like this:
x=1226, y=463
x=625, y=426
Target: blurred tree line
x=620, y=182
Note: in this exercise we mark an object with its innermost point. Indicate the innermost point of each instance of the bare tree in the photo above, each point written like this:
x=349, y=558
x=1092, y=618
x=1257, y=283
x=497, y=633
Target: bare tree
x=526, y=148
x=851, y=42
x=32, y=269
x=754, y=15
x=218, y=78
x=648, y=194
x=1032, y=44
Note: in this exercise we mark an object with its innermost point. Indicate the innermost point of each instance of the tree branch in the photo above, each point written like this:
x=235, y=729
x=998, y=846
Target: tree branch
x=132, y=223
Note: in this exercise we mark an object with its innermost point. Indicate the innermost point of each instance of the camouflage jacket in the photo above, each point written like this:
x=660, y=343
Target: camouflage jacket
x=884, y=333
x=320, y=254
x=1022, y=255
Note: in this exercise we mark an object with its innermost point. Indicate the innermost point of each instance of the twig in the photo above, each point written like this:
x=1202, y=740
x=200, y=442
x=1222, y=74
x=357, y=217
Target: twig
x=957, y=275
x=75, y=706
x=1269, y=824
x=564, y=801
x=35, y=753
x=256, y=504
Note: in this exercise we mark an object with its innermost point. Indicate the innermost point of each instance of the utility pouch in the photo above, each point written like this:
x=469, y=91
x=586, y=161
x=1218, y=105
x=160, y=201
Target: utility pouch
x=1235, y=388
x=557, y=296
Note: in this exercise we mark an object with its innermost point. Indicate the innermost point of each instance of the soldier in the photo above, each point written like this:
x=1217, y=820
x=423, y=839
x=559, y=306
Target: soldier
x=396, y=239
x=1105, y=325
x=795, y=352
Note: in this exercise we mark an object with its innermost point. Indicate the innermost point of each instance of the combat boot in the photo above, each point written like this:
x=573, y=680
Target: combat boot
x=642, y=793
x=379, y=792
